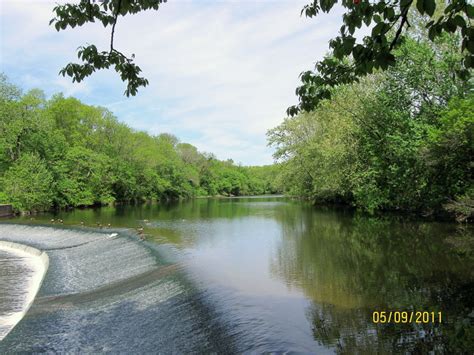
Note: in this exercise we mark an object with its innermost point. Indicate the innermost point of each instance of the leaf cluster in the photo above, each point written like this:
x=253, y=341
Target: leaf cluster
x=389, y=21
x=106, y=12
x=94, y=60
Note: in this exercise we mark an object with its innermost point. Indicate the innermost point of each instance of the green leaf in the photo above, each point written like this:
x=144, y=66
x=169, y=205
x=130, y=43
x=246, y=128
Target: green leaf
x=377, y=29
x=459, y=21
x=405, y=3
x=448, y=8
x=470, y=46
x=367, y=20
x=469, y=61
x=348, y=44
x=389, y=13
x=470, y=10
x=432, y=33
x=450, y=26
x=420, y=7
x=429, y=6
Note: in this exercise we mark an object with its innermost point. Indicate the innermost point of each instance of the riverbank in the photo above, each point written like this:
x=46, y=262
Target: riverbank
x=412, y=215
x=105, y=291
x=8, y=210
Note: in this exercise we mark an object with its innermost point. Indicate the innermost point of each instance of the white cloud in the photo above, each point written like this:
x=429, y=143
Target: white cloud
x=71, y=89
x=221, y=73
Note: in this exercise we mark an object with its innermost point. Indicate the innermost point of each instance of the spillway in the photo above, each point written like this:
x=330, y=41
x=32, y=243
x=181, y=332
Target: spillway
x=103, y=292
x=21, y=271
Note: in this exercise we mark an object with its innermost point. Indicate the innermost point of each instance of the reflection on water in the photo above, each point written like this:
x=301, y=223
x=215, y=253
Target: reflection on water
x=350, y=267
x=286, y=276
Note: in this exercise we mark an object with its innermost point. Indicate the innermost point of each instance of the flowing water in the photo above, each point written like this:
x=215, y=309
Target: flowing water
x=20, y=277
x=245, y=275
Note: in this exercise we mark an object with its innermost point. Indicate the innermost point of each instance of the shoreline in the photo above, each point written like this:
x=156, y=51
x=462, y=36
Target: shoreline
x=408, y=215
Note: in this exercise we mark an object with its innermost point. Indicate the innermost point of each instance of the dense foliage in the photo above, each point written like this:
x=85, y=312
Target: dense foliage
x=63, y=153
x=401, y=139
x=389, y=22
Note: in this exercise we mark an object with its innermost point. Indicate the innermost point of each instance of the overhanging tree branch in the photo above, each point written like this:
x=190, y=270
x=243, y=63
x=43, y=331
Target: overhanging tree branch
x=404, y=21
x=348, y=61
x=107, y=12
x=113, y=26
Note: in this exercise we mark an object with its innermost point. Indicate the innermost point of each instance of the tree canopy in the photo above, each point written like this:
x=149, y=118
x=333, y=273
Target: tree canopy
x=401, y=139
x=389, y=21
x=60, y=152
x=349, y=59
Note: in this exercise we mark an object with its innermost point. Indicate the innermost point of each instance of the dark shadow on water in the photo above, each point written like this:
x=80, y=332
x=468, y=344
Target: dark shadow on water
x=353, y=266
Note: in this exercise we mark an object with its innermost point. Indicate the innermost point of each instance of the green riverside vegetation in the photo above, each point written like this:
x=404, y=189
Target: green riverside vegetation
x=400, y=139
x=61, y=153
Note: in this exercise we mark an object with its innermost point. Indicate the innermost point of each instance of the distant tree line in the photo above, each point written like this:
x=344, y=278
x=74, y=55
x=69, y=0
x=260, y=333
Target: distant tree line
x=399, y=139
x=61, y=153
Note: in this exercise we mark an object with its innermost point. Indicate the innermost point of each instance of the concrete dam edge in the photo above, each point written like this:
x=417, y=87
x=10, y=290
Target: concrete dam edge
x=30, y=250
x=41, y=256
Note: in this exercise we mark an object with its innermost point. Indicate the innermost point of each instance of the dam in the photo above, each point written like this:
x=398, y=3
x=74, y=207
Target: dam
x=22, y=269
x=103, y=291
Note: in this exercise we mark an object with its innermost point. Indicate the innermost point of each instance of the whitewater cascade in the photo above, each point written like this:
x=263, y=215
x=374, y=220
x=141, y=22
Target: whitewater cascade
x=103, y=291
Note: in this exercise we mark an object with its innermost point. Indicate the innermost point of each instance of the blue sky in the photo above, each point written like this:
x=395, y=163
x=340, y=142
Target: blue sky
x=221, y=72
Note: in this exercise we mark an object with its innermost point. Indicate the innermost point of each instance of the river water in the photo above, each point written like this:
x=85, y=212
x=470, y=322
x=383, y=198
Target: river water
x=20, y=276
x=254, y=275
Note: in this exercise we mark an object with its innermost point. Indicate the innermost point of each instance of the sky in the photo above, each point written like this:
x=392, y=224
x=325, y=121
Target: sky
x=221, y=73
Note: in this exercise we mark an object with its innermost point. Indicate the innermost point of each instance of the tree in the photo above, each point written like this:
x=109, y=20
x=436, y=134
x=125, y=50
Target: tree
x=27, y=184
x=349, y=60
x=63, y=153
x=84, y=178
x=396, y=140
x=451, y=156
